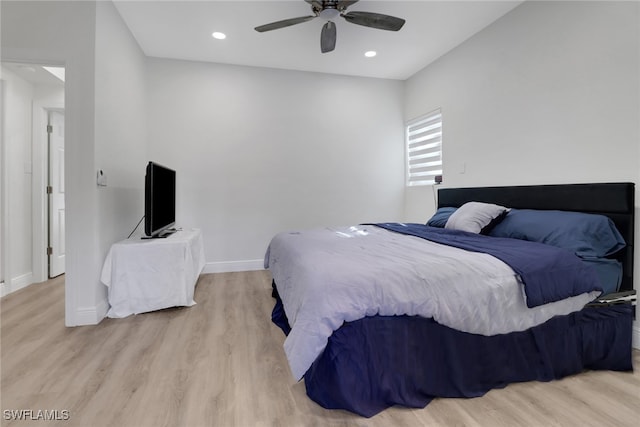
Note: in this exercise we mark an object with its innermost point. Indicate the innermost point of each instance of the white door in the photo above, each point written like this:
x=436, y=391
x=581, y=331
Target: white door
x=56, y=193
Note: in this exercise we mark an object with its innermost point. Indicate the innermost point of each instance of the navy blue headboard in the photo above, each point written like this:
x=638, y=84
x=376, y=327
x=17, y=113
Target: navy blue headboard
x=615, y=200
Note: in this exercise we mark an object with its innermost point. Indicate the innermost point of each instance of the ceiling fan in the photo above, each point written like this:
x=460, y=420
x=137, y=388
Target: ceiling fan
x=329, y=11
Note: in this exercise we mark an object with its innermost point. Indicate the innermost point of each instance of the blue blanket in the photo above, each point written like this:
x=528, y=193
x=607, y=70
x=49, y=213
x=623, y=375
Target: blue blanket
x=548, y=273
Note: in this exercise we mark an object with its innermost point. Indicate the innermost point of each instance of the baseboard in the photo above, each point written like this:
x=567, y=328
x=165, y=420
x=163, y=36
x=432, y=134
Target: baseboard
x=21, y=281
x=91, y=315
x=16, y=284
x=231, y=266
x=636, y=334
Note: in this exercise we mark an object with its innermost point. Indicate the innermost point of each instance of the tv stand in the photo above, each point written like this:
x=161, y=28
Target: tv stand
x=148, y=275
x=163, y=235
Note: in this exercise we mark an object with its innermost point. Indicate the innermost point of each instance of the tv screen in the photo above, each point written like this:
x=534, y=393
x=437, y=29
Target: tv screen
x=159, y=200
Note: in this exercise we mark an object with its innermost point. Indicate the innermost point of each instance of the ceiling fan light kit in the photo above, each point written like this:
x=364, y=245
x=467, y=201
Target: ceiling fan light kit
x=330, y=11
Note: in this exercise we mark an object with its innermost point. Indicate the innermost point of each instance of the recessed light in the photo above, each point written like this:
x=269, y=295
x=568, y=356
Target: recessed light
x=219, y=36
x=370, y=54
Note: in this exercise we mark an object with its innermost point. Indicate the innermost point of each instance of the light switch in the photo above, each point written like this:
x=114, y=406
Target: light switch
x=102, y=178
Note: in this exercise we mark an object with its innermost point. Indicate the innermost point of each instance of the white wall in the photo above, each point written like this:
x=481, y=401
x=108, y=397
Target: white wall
x=17, y=139
x=120, y=125
x=550, y=93
x=258, y=151
x=547, y=94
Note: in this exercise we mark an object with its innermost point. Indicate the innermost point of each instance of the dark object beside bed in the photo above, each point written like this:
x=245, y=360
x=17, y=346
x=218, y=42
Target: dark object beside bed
x=377, y=362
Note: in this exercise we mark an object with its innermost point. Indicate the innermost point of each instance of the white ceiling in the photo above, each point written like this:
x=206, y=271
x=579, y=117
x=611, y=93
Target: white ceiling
x=182, y=30
x=33, y=73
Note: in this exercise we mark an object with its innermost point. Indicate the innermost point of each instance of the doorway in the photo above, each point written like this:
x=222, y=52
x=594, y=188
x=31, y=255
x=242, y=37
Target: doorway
x=31, y=97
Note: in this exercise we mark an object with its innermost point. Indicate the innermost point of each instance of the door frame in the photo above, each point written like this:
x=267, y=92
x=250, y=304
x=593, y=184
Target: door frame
x=56, y=260
x=73, y=93
x=40, y=179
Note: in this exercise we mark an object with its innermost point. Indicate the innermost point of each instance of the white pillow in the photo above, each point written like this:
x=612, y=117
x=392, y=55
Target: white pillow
x=475, y=216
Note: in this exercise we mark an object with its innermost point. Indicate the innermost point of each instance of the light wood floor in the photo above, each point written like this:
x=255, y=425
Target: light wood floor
x=221, y=363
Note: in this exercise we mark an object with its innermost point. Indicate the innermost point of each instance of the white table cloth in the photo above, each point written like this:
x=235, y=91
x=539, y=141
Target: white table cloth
x=147, y=275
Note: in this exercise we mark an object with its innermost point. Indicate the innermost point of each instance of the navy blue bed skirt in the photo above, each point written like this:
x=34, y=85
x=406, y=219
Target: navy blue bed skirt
x=382, y=361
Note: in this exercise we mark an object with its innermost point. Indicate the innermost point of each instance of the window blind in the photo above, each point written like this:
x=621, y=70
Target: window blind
x=423, y=137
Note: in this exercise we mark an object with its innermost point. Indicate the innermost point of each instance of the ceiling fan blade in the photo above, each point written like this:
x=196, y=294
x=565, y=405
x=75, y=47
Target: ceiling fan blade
x=343, y=4
x=375, y=20
x=328, y=37
x=284, y=23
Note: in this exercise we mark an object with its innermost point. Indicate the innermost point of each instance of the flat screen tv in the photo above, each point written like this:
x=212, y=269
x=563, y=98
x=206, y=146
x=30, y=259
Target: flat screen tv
x=159, y=200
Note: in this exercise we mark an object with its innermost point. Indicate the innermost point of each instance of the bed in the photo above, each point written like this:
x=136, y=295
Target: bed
x=387, y=342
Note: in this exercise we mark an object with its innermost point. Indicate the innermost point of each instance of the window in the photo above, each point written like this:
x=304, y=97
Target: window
x=423, y=138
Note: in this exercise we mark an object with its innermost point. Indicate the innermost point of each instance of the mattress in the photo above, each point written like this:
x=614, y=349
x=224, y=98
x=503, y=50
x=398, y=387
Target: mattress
x=329, y=276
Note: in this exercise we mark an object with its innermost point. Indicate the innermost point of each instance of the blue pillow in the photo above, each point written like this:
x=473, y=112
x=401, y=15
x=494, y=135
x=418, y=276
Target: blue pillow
x=609, y=272
x=440, y=218
x=586, y=235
